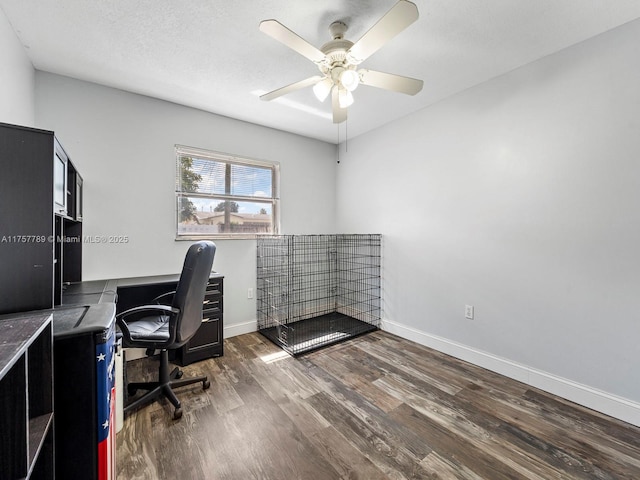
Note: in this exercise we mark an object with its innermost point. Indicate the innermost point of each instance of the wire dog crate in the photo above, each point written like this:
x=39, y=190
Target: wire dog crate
x=315, y=290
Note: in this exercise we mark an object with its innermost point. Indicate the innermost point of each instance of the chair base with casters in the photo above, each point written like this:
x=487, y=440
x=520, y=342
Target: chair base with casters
x=167, y=381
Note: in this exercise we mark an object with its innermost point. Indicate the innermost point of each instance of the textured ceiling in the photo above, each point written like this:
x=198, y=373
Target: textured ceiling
x=209, y=54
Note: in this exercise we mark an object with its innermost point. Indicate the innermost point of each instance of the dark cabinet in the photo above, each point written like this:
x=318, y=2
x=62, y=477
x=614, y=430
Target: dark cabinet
x=208, y=340
x=36, y=252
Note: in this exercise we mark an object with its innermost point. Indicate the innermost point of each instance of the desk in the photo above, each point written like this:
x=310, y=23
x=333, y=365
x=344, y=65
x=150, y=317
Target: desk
x=83, y=326
x=125, y=293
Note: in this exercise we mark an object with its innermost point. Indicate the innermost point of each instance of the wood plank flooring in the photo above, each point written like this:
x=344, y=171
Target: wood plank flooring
x=374, y=407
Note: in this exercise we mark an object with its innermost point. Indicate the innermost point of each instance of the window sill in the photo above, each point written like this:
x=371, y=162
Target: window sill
x=248, y=236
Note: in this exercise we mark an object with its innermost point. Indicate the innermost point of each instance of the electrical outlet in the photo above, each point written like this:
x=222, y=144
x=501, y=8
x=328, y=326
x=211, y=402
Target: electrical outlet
x=250, y=293
x=468, y=312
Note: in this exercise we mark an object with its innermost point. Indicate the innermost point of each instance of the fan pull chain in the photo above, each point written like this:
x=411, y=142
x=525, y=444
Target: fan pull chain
x=338, y=145
x=346, y=139
x=346, y=135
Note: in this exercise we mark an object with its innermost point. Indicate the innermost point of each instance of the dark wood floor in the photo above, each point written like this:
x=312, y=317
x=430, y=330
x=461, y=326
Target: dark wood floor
x=374, y=407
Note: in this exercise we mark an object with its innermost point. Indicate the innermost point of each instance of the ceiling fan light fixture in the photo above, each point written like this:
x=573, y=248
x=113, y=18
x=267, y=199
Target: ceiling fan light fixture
x=350, y=80
x=338, y=59
x=345, y=98
x=322, y=89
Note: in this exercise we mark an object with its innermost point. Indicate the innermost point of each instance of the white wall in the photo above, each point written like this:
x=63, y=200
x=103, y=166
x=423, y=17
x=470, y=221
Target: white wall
x=16, y=78
x=123, y=145
x=521, y=197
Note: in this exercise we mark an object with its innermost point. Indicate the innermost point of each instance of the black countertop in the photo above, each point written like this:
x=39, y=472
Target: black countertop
x=90, y=307
x=83, y=319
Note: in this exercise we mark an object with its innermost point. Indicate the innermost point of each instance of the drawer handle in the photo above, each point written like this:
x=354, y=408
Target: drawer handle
x=204, y=302
x=205, y=320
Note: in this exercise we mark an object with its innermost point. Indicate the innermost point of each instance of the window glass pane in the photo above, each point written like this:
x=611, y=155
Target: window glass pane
x=207, y=216
x=209, y=176
x=202, y=175
x=250, y=181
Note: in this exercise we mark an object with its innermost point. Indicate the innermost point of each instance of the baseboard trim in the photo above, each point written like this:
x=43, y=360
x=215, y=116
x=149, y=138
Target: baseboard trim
x=598, y=400
x=239, y=329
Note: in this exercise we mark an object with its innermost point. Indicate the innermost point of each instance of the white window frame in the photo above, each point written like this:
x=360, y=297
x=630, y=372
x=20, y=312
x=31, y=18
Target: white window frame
x=182, y=151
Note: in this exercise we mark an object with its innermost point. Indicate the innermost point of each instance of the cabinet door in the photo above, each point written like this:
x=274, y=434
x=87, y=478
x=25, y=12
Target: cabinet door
x=74, y=193
x=60, y=180
x=207, y=337
x=78, y=198
x=26, y=239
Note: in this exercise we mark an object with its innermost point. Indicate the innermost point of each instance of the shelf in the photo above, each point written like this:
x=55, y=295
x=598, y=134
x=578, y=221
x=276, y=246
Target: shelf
x=26, y=396
x=38, y=428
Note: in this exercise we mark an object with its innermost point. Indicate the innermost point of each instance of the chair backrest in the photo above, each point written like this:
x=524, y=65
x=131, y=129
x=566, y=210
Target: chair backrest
x=191, y=289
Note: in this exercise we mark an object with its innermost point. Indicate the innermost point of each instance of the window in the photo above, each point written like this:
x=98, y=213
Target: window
x=224, y=196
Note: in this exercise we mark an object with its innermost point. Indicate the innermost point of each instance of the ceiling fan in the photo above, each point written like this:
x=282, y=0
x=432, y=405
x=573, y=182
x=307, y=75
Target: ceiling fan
x=339, y=58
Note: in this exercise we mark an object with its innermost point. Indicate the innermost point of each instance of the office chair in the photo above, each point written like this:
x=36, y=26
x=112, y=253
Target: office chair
x=167, y=328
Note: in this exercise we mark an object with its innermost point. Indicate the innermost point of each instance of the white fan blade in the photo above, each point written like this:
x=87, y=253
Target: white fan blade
x=389, y=81
x=339, y=114
x=291, y=88
x=402, y=15
x=275, y=29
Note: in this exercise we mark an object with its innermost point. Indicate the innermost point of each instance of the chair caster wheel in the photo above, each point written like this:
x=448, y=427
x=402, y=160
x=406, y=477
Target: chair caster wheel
x=177, y=413
x=131, y=391
x=179, y=374
x=206, y=384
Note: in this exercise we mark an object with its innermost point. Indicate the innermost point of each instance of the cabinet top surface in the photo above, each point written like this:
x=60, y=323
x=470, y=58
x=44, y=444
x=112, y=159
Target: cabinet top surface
x=25, y=128
x=16, y=334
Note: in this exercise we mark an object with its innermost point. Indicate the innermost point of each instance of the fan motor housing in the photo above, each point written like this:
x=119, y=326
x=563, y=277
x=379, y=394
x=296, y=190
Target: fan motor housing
x=339, y=45
x=336, y=49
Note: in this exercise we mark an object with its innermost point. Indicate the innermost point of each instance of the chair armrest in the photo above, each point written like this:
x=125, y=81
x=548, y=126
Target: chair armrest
x=161, y=309
x=159, y=297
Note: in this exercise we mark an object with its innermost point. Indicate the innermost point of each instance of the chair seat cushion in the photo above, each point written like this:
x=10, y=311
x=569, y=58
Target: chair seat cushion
x=154, y=328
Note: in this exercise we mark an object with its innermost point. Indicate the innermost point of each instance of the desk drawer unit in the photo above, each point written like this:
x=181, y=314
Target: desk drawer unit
x=207, y=342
